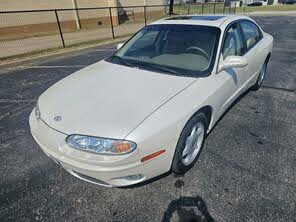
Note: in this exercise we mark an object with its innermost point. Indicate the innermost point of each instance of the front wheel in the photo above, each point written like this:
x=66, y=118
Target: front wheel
x=261, y=77
x=190, y=144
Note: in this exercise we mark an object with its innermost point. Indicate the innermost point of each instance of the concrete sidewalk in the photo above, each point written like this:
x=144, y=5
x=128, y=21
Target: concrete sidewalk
x=34, y=44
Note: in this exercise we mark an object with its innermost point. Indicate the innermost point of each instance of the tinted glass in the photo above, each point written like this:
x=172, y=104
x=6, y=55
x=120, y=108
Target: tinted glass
x=146, y=40
x=251, y=32
x=196, y=17
x=233, y=44
x=179, y=49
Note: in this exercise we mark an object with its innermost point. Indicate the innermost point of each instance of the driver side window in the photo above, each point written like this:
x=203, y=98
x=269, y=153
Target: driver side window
x=233, y=44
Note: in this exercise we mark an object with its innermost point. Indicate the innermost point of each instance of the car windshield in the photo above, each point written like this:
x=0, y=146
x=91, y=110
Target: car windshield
x=187, y=50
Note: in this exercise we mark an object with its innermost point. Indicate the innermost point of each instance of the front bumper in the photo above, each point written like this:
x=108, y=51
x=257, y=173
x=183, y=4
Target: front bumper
x=113, y=171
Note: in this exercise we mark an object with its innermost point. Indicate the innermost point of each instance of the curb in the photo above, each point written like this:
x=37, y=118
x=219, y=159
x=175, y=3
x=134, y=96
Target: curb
x=60, y=52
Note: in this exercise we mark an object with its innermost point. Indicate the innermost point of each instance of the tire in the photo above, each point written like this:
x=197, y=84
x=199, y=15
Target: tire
x=261, y=77
x=182, y=162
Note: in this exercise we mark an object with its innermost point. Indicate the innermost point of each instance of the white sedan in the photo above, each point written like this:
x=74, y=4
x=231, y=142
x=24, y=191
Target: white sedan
x=146, y=110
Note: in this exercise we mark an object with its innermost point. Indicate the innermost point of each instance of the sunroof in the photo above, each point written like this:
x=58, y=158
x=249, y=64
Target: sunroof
x=198, y=17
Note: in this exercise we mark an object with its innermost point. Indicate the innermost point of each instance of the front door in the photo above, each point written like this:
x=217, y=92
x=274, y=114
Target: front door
x=230, y=80
x=255, y=52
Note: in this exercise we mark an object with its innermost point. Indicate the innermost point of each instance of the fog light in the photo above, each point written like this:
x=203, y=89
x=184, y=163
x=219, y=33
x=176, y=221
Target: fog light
x=131, y=177
x=134, y=177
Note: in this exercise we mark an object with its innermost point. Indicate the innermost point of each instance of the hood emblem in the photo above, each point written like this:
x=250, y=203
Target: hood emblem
x=57, y=118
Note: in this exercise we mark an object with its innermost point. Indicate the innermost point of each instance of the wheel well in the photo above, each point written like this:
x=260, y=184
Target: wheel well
x=207, y=110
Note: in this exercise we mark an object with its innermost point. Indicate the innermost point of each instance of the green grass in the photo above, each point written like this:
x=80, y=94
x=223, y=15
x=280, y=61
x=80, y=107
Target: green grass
x=209, y=9
x=266, y=8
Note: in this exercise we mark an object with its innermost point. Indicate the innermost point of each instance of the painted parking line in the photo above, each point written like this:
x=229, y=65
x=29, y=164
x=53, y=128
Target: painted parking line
x=52, y=67
x=18, y=100
x=104, y=50
x=278, y=88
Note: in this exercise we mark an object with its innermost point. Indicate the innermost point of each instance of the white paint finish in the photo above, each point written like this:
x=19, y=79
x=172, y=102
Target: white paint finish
x=215, y=23
x=149, y=108
x=115, y=99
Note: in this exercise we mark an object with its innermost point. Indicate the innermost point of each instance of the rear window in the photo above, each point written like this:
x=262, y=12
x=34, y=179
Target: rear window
x=251, y=32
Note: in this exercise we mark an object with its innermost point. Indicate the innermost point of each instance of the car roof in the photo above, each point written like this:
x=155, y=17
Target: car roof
x=215, y=20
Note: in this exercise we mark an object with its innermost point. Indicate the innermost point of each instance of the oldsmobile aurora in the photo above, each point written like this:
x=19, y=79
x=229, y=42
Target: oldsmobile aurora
x=146, y=110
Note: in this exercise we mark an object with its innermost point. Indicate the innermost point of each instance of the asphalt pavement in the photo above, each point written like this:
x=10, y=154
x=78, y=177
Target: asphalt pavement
x=247, y=171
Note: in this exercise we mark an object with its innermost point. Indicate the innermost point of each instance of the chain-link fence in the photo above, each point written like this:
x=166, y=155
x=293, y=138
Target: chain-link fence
x=26, y=32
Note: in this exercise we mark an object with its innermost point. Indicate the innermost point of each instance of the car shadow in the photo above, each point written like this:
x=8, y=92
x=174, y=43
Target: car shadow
x=188, y=209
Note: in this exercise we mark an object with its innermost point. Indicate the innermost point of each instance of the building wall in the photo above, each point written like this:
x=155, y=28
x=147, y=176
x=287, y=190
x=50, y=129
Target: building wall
x=7, y=5
x=139, y=2
x=35, y=23
x=15, y=5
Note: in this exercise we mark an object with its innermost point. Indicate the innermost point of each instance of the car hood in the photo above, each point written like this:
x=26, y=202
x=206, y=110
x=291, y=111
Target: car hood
x=107, y=100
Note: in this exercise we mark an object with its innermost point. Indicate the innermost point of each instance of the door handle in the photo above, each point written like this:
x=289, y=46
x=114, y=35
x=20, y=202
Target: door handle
x=245, y=69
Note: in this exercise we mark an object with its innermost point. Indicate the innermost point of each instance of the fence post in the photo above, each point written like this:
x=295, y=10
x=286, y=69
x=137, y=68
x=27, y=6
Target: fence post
x=214, y=7
x=229, y=8
x=188, y=8
x=180, y=8
x=171, y=10
x=145, y=15
x=202, y=8
x=224, y=8
x=111, y=22
x=234, y=8
x=77, y=18
x=60, y=29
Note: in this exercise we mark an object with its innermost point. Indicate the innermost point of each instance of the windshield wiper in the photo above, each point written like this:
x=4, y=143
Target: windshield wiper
x=136, y=64
x=161, y=68
x=123, y=61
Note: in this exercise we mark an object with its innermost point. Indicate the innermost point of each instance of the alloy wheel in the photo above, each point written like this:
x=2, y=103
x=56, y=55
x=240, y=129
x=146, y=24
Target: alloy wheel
x=193, y=143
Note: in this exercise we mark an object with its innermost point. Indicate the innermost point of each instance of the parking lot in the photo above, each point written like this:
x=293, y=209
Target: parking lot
x=247, y=171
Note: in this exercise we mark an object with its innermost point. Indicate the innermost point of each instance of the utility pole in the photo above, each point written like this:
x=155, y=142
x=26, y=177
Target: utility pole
x=76, y=14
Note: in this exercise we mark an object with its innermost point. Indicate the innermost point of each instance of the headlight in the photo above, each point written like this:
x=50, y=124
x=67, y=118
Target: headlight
x=37, y=112
x=100, y=145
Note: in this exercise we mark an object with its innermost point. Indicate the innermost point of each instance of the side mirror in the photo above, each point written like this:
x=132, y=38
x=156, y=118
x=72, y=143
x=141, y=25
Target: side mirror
x=233, y=62
x=119, y=45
